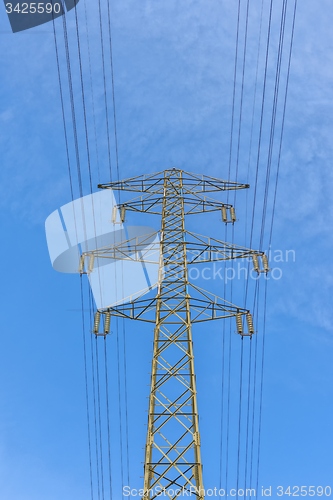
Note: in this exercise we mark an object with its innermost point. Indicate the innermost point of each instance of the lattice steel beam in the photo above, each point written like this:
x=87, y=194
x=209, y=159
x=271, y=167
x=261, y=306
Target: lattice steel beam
x=198, y=248
x=192, y=183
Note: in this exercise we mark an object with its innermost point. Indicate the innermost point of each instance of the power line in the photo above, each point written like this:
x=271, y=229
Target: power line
x=86, y=389
x=108, y=415
x=105, y=91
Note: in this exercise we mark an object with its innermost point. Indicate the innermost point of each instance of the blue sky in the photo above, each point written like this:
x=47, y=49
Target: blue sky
x=173, y=75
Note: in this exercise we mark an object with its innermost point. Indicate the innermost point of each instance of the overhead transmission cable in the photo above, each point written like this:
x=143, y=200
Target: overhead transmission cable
x=283, y=120
x=254, y=206
x=273, y=119
x=98, y=269
x=108, y=414
x=272, y=220
x=92, y=92
x=105, y=89
x=99, y=416
x=231, y=290
x=258, y=155
x=72, y=197
x=78, y=161
x=239, y=444
x=122, y=321
x=86, y=391
x=93, y=371
x=283, y=20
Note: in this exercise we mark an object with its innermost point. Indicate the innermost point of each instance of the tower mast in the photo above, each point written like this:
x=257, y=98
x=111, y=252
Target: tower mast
x=172, y=457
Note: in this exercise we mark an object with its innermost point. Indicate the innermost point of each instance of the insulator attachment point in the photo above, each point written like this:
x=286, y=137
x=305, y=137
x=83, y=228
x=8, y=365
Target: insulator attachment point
x=107, y=323
x=255, y=261
x=265, y=263
x=224, y=213
x=97, y=322
x=91, y=263
x=249, y=322
x=81, y=265
x=239, y=323
x=114, y=215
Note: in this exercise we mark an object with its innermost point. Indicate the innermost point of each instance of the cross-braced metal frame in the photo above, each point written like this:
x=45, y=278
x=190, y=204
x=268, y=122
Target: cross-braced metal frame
x=172, y=454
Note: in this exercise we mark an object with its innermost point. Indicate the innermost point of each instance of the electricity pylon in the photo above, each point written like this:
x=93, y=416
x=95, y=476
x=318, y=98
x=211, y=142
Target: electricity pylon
x=172, y=454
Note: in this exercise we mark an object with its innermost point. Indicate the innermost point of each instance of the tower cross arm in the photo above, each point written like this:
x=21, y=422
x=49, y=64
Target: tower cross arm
x=204, y=305
x=191, y=183
x=193, y=204
x=139, y=250
x=199, y=249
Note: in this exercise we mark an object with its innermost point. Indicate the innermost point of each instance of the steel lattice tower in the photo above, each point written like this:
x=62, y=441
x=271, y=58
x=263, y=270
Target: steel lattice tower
x=172, y=454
